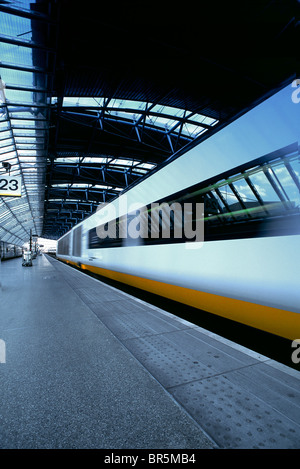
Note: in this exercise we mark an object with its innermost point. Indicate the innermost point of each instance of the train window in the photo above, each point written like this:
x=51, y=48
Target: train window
x=264, y=188
x=291, y=191
x=252, y=200
x=77, y=241
x=63, y=245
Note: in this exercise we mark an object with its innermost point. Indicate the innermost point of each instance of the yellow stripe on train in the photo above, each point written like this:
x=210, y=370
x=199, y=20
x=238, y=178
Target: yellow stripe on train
x=269, y=319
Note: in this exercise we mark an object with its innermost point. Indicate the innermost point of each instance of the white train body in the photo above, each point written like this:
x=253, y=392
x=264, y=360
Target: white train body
x=254, y=280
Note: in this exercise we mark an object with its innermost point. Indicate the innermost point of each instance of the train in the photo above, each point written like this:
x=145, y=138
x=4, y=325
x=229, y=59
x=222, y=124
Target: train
x=9, y=251
x=217, y=228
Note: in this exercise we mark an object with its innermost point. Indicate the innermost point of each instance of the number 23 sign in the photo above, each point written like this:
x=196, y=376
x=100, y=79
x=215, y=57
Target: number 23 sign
x=10, y=186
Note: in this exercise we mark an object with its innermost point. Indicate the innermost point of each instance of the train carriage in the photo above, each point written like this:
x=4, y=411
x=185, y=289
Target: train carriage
x=245, y=266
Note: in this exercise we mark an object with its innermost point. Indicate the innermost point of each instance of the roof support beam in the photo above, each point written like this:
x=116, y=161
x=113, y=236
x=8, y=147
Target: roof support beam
x=31, y=14
x=25, y=68
x=24, y=43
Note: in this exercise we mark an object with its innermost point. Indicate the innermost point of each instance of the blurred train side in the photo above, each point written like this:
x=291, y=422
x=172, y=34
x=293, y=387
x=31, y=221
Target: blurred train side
x=9, y=251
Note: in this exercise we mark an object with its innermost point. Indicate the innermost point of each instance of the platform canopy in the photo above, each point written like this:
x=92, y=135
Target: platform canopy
x=96, y=95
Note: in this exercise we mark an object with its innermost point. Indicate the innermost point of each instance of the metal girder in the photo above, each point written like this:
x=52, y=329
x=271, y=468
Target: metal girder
x=91, y=174
x=139, y=122
x=131, y=124
x=114, y=127
x=26, y=68
x=25, y=43
x=31, y=14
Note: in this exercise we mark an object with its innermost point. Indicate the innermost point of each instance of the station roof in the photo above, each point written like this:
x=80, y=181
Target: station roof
x=94, y=99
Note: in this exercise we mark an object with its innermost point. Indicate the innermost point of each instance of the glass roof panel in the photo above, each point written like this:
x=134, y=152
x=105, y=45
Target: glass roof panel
x=29, y=139
x=16, y=77
x=163, y=122
x=6, y=141
x=22, y=119
x=128, y=104
x=131, y=110
x=101, y=186
x=192, y=130
x=91, y=159
x=172, y=111
x=18, y=55
x=139, y=170
x=121, y=114
x=30, y=146
x=122, y=162
x=146, y=165
x=23, y=124
x=15, y=26
x=5, y=134
x=23, y=4
x=4, y=125
x=23, y=113
x=18, y=96
x=157, y=121
x=203, y=119
x=28, y=153
x=82, y=101
x=21, y=130
x=8, y=156
x=7, y=150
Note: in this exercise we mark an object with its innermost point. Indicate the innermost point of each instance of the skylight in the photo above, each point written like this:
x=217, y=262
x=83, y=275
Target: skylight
x=140, y=114
x=23, y=127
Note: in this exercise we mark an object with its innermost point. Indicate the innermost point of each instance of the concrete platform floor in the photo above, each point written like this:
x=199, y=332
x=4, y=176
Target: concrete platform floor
x=67, y=381
x=88, y=366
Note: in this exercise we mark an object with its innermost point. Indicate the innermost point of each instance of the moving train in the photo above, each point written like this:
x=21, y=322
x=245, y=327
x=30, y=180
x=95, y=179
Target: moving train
x=214, y=229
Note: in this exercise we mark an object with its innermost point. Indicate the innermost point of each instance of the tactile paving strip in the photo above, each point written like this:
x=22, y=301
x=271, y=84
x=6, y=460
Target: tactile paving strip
x=170, y=365
x=235, y=417
x=179, y=357
x=73, y=277
x=97, y=294
x=271, y=386
x=127, y=319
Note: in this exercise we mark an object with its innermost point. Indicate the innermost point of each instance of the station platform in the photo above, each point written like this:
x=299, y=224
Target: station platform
x=88, y=366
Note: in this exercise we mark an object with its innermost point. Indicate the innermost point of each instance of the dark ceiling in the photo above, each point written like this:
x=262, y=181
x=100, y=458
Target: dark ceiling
x=215, y=59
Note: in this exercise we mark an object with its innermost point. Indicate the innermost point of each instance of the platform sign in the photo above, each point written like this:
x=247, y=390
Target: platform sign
x=10, y=186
